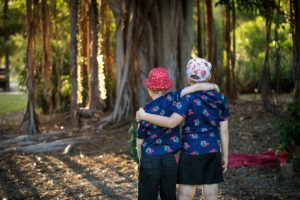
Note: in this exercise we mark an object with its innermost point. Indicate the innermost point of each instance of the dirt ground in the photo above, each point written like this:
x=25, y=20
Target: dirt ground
x=101, y=168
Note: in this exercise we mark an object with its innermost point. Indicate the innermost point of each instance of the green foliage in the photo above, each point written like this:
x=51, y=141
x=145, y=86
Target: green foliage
x=250, y=45
x=251, y=6
x=66, y=92
x=133, y=132
x=13, y=23
x=289, y=126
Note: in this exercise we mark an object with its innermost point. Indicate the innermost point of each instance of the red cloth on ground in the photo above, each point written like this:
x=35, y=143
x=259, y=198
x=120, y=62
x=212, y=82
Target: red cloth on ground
x=268, y=158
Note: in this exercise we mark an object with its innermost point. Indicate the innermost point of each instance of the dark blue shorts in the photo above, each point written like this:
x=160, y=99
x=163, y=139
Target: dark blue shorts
x=200, y=169
x=157, y=174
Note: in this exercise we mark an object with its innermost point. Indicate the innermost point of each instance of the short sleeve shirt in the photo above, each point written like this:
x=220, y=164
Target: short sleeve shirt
x=203, y=112
x=159, y=140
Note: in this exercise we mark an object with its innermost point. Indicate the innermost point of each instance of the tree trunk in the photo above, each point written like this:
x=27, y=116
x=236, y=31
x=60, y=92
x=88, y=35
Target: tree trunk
x=73, y=60
x=199, y=30
x=296, y=48
x=6, y=48
x=30, y=121
x=156, y=33
x=145, y=51
x=227, y=24
x=123, y=106
x=169, y=20
x=266, y=93
x=230, y=53
x=58, y=64
x=233, y=54
x=211, y=38
x=186, y=39
x=277, y=51
x=94, y=94
x=109, y=67
x=47, y=60
x=83, y=70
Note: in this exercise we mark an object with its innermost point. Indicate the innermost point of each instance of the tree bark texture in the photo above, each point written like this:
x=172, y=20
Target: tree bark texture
x=47, y=57
x=73, y=60
x=123, y=106
x=277, y=51
x=211, y=38
x=109, y=65
x=58, y=62
x=186, y=39
x=230, y=53
x=227, y=24
x=6, y=48
x=199, y=30
x=233, y=53
x=94, y=94
x=265, y=79
x=83, y=70
x=29, y=124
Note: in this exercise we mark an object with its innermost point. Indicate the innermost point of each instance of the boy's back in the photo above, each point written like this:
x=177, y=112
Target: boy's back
x=159, y=140
x=203, y=112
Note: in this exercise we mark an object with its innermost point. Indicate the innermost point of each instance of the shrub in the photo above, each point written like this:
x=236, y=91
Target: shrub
x=133, y=132
x=289, y=126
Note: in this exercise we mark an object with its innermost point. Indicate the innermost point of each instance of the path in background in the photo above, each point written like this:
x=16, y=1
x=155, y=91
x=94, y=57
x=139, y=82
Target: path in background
x=102, y=169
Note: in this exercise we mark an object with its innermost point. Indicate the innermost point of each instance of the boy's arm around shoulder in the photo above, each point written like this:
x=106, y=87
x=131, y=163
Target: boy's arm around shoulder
x=199, y=87
x=163, y=121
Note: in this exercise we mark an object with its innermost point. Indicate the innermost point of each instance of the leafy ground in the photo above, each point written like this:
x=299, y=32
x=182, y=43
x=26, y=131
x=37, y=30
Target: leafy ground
x=102, y=169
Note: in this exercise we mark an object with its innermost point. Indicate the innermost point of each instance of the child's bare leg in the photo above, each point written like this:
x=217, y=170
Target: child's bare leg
x=186, y=192
x=210, y=191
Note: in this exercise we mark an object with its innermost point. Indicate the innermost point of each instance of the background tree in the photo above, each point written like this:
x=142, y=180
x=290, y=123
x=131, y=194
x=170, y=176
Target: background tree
x=30, y=121
x=277, y=49
x=296, y=46
x=47, y=57
x=150, y=34
x=94, y=94
x=6, y=35
x=73, y=60
x=212, y=45
x=199, y=29
x=265, y=86
x=84, y=52
x=230, y=52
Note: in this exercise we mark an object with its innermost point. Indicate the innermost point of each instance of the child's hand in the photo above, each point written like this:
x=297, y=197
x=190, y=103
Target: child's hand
x=140, y=114
x=225, y=164
x=216, y=87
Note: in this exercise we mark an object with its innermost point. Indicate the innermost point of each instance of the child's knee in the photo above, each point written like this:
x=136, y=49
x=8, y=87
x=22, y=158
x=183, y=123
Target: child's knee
x=210, y=192
x=186, y=192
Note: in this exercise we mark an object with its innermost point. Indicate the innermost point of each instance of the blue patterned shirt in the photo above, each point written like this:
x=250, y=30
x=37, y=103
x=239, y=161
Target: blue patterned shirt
x=203, y=112
x=159, y=140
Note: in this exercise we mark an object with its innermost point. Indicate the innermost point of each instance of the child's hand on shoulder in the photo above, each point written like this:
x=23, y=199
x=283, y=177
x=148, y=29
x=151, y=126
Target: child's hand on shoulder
x=216, y=87
x=140, y=114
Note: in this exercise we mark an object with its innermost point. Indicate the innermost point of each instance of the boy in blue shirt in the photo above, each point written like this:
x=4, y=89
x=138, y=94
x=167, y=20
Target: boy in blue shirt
x=157, y=145
x=204, y=134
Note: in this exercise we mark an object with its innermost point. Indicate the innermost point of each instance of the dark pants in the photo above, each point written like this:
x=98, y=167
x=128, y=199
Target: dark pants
x=157, y=173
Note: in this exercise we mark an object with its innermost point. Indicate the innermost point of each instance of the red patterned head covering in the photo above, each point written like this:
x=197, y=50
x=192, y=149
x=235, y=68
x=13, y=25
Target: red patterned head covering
x=198, y=69
x=158, y=80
